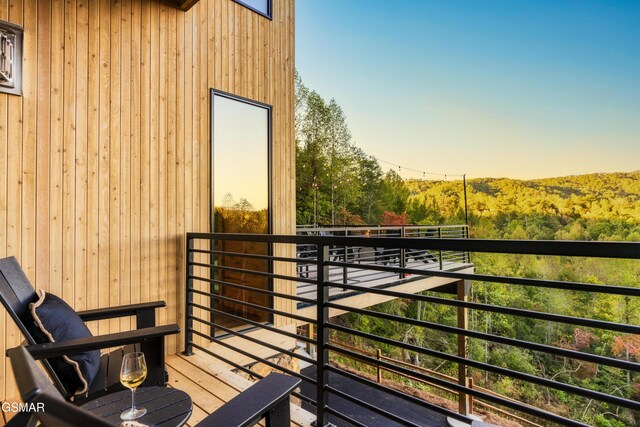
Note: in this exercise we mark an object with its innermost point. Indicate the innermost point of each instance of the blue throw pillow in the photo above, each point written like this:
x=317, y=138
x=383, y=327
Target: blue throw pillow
x=54, y=320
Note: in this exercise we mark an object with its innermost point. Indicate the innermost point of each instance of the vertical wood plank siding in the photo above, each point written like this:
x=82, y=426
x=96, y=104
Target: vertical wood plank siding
x=104, y=162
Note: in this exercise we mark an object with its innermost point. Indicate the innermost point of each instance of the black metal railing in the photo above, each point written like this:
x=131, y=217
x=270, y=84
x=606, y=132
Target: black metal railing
x=216, y=310
x=368, y=254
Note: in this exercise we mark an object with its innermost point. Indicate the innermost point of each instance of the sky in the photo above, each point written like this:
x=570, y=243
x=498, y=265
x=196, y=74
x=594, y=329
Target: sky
x=490, y=88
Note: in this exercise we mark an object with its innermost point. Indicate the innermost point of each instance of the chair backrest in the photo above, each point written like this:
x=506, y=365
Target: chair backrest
x=36, y=388
x=16, y=293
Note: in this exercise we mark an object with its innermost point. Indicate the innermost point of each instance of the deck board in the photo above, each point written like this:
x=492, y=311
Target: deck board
x=210, y=385
x=259, y=352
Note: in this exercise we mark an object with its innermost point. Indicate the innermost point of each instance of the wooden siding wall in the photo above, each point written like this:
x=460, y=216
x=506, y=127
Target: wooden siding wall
x=104, y=162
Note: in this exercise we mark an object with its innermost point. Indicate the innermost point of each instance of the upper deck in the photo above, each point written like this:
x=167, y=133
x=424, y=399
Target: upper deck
x=370, y=257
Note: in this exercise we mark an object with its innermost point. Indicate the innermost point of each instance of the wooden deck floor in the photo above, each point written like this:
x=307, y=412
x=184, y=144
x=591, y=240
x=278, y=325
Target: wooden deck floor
x=210, y=386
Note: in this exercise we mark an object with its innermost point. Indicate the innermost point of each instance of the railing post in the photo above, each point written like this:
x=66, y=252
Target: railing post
x=464, y=403
x=403, y=261
x=322, y=334
x=465, y=232
x=344, y=269
x=188, y=334
x=440, y=251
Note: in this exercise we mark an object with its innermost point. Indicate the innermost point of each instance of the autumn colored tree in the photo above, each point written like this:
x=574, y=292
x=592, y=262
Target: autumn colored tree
x=391, y=218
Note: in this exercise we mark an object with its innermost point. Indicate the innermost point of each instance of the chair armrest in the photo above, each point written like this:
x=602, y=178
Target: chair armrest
x=120, y=311
x=45, y=351
x=256, y=402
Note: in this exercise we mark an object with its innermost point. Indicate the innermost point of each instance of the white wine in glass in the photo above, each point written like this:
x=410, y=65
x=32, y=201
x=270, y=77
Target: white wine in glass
x=132, y=373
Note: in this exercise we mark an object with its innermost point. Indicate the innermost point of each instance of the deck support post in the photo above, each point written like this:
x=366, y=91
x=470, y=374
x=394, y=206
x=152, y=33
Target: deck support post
x=379, y=357
x=464, y=399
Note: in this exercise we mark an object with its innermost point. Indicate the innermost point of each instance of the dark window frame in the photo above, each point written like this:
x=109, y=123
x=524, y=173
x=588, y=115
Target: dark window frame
x=268, y=15
x=269, y=109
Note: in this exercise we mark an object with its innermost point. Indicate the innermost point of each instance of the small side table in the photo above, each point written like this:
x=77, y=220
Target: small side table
x=166, y=407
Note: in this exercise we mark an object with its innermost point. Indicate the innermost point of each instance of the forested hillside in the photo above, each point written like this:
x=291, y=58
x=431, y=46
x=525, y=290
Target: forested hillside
x=338, y=183
x=584, y=207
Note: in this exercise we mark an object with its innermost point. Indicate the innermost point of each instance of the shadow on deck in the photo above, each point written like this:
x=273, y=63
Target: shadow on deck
x=416, y=414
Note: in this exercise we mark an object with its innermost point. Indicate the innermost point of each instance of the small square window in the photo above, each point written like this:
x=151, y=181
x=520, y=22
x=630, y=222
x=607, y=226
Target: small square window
x=10, y=58
x=263, y=7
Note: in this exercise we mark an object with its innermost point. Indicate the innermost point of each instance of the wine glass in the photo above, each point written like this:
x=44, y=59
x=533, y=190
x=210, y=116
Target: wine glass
x=132, y=373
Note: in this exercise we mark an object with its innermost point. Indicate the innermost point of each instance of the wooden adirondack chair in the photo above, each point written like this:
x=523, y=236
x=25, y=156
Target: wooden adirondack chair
x=16, y=293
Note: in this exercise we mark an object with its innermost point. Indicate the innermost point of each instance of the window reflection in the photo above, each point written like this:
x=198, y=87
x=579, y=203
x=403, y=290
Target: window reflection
x=240, y=195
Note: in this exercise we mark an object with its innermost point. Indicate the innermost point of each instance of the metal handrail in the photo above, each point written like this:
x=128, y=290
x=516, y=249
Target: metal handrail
x=324, y=261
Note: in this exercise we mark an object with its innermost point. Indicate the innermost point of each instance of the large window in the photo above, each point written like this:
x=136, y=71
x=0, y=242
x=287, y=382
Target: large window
x=263, y=7
x=241, y=195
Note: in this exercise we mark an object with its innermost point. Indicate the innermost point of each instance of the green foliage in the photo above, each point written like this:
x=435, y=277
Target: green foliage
x=591, y=207
x=336, y=181
x=604, y=421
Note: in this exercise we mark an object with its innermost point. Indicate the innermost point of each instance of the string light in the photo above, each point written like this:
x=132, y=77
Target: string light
x=423, y=172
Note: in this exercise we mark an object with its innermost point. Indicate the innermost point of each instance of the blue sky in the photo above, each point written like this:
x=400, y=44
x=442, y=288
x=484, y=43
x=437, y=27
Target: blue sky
x=487, y=88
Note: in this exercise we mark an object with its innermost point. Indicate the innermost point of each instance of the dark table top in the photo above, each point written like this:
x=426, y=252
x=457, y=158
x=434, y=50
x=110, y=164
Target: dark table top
x=166, y=407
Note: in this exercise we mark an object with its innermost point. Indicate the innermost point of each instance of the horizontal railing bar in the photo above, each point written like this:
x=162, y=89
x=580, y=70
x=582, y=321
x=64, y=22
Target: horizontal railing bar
x=593, y=358
x=370, y=407
x=579, y=391
x=252, y=339
x=249, y=371
x=599, y=324
x=253, y=272
x=254, y=323
x=420, y=381
x=374, y=227
x=252, y=289
x=245, y=237
x=257, y=307
x=552, y=284
x=397, y=393
x=617, y=363
x=475, y=393
x=627, y=250
x=246, y=255
x=254, y=357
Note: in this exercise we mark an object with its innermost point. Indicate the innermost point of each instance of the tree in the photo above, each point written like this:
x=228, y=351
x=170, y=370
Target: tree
x=391, y=218
x=325, y=165
x=394, y=193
